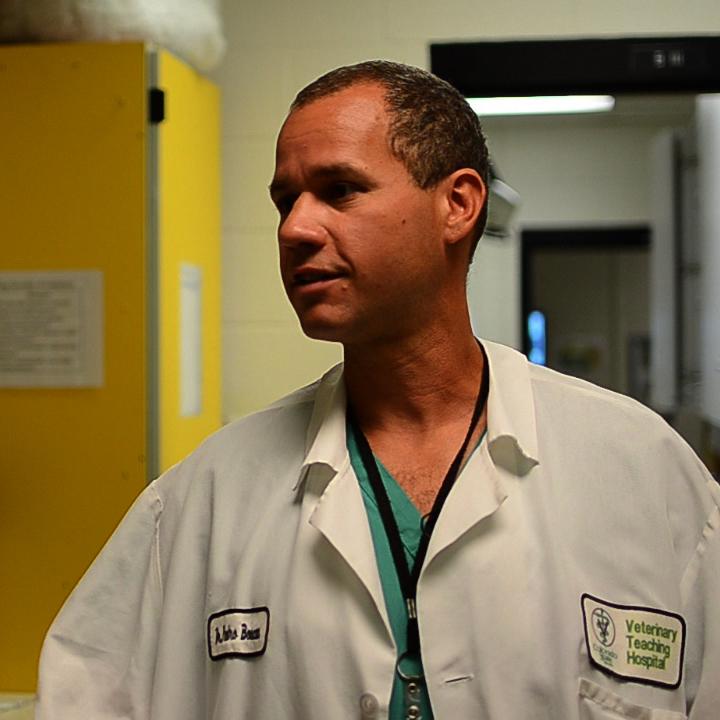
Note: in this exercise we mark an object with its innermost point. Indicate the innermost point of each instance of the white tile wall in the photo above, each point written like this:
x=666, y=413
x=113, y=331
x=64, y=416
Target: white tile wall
x=277, y=46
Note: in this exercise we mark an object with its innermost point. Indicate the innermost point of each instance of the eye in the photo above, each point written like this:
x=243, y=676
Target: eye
x=339, y=191
x=284, y=203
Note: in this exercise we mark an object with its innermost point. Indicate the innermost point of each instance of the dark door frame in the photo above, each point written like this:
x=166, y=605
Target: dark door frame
x=572, y=239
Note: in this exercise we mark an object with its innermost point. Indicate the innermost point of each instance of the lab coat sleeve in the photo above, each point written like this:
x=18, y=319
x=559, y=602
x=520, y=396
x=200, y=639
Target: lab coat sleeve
x=701, y=590
x=99, y=654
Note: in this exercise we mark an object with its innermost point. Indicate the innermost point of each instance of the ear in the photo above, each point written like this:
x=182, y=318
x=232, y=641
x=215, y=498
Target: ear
x=465, y=195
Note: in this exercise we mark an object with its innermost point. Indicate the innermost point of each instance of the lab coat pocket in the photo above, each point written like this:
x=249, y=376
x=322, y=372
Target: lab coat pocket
x=598, y=703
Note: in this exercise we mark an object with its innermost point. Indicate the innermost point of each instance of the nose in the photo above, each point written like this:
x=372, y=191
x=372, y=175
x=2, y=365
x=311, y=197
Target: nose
x=302, y=225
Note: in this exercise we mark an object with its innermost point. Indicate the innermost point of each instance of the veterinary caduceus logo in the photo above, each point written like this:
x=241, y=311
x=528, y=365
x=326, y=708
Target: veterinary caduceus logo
x=603, y=626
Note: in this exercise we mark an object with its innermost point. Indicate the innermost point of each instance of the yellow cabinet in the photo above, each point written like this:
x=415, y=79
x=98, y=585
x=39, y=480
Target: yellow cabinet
x=109, y=162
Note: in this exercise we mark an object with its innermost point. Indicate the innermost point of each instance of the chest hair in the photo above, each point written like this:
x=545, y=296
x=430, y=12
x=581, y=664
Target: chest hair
x=420, y=485
x=421, y=471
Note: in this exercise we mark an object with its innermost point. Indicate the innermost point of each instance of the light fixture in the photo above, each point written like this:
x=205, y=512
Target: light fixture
x=541, y=104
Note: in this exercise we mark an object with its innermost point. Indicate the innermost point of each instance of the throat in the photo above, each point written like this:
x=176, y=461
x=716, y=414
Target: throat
x=421, y=489
x=420, y=467
x=421, y=453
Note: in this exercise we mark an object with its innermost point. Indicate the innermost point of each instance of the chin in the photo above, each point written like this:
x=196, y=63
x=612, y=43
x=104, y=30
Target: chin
x=317, y=331
x=336, y=324
x=344, y=330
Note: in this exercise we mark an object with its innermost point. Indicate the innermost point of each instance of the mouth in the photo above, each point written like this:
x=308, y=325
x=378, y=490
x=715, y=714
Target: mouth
x=311, y=276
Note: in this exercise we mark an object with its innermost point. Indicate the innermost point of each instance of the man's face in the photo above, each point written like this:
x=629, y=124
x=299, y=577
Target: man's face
x=361, y=246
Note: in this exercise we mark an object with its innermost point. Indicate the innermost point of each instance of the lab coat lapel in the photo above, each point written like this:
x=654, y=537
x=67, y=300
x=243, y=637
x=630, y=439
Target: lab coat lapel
x=341, y=517
x=507, y=454
x=332, y=493
x=478, y=492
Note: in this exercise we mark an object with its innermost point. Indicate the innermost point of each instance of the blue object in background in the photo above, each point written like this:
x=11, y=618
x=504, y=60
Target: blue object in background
x=536, y=330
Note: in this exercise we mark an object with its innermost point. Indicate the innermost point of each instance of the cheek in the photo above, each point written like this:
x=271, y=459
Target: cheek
x=285, y=266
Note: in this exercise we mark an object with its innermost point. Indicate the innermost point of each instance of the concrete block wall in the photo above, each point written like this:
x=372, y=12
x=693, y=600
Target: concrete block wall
x=277, y=46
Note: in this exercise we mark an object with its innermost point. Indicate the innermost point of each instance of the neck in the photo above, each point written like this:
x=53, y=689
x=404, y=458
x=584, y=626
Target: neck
x=414, y=383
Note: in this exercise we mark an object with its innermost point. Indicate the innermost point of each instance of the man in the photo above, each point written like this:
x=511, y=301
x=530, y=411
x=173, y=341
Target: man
x=436, y=528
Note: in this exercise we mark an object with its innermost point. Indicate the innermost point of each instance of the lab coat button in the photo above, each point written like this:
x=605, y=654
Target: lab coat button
x=368, y=705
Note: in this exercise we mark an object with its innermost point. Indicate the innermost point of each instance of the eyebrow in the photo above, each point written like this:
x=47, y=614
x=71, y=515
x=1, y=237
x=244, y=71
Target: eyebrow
x=323, y=172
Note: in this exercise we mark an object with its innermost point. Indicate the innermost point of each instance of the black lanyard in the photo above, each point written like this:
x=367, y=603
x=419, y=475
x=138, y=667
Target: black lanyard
x=408, y=577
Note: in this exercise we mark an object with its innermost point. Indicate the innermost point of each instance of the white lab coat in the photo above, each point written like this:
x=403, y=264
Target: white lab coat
x=577, y=490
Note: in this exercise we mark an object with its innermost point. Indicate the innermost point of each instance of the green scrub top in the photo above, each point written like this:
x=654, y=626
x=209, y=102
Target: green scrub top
x=409, y=522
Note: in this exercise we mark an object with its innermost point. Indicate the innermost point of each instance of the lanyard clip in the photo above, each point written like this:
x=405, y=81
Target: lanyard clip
x=411, y=608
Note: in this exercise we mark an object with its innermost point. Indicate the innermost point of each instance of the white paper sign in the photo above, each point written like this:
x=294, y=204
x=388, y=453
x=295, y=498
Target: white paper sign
x=51, y=329
x=191, y=361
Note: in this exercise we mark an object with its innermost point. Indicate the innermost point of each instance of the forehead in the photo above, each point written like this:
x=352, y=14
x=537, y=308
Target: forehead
x=349, y=126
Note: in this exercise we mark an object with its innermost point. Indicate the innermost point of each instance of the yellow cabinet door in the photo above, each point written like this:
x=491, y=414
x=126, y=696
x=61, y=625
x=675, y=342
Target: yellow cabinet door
x=87, y=182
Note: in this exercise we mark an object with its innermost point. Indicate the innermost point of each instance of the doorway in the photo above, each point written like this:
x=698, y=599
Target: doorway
x=584, y=304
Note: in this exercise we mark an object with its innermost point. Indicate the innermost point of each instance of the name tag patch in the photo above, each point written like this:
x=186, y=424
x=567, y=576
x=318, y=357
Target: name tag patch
x=238, y=633
x=634, y=643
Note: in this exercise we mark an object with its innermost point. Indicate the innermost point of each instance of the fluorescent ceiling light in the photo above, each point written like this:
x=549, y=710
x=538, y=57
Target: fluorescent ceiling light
x=541, y=105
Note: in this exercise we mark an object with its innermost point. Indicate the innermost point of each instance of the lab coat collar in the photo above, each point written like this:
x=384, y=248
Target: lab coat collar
x=325, y=442
x=512, y=430
x=511, y=433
